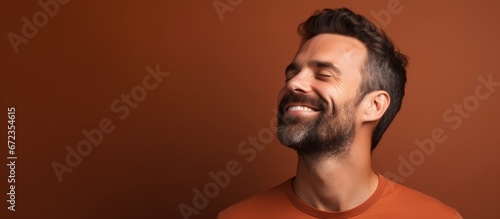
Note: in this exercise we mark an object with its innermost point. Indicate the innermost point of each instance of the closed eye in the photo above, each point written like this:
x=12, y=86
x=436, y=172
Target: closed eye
x=290, y=74
x=324, y=74
x=291, y=70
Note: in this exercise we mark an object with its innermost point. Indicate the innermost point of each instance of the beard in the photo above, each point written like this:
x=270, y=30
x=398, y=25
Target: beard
x=328, y=133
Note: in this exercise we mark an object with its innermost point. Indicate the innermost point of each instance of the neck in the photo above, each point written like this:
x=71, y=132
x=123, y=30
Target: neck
x=336, y=182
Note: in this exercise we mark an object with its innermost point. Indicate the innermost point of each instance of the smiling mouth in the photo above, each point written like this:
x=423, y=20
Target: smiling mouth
x=300, y=108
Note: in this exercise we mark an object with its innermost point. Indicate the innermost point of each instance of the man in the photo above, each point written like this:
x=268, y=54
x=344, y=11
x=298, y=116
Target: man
x=343, y=89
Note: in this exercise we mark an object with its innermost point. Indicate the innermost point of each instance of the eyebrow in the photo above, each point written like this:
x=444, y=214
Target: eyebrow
x=292, y=67
x=313, y=63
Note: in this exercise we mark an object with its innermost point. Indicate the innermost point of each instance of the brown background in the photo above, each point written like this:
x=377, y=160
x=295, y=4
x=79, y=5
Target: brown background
x=222, y=88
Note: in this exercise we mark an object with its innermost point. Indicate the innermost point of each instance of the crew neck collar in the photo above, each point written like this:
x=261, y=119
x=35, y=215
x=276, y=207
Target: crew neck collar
x=301, y=205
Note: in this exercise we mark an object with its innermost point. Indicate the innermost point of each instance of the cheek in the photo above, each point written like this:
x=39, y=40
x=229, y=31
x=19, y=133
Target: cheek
x=332, y=98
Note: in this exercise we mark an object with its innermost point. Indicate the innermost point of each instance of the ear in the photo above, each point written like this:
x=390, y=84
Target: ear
x=374, y=105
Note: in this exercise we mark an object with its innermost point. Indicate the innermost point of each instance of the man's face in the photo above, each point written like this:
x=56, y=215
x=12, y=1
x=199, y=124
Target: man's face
x=316, y=106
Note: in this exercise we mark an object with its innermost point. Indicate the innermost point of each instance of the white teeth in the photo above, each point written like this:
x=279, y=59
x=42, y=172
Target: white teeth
x=303, y=108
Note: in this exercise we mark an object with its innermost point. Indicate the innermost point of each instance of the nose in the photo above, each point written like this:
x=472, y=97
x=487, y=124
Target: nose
x=300, y=83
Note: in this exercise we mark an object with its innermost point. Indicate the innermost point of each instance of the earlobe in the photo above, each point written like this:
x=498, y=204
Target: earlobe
x=376, y=104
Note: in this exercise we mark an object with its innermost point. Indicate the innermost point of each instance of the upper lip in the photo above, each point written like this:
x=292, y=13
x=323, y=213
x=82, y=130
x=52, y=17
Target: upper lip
x=287, y=106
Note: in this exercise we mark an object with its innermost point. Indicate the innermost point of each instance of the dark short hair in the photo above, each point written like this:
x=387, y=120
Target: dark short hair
x=384, y=68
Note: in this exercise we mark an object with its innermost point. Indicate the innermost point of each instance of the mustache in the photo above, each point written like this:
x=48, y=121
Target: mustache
x=314, y=101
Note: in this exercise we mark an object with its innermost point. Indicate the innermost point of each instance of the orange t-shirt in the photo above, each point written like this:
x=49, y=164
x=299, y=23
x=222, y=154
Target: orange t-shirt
x=390, y=200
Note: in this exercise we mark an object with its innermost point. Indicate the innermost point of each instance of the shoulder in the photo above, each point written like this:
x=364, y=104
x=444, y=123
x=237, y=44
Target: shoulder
x=261, y=204
x=414, y=203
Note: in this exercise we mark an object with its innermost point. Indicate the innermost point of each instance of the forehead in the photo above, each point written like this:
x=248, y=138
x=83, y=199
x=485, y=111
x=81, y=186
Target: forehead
x=343, y=51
